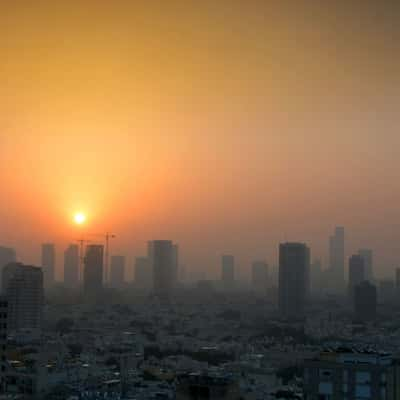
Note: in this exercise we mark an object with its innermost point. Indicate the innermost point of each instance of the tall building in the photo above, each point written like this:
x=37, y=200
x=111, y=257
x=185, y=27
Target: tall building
x=3, y=342
x=143, y=273
x=175, y=253
x=336, y=260
x=162, y=259
x=259, y=276
x=365, y=300
x=71, y=266
x=397, y=279
x=117, y=271
x=294, y=279
x=351, y=375
x=7, y=256
x=48, y=264
x=23, y=287
x=356, y=273
x=228, y=271
x=93, y=272
x=316, y=276
x=367, y=255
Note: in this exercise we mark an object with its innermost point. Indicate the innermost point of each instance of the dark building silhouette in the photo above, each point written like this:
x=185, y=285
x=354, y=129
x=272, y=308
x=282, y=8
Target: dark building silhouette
x=259, y=271
x=7, y=256
x=175, y=256
x=368, y=257
x=162, y=259
x=397, y=279
x=365, y=300
x=3, y=342
x=294, y=268
x=23, y=287
x=94, y=267
x=117, y=271
x=228, y=271
x=48, y=264
x=71, y=266
x=143, y=273
x=387, y=290
x=336, y=260
x=356, y=273
x=316, y=276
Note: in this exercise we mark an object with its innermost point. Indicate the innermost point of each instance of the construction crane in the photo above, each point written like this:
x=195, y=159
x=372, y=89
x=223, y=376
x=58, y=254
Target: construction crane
x=107, y=236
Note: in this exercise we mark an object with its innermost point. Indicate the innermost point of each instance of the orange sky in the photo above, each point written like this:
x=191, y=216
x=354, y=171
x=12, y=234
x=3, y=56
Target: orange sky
x=226, y=127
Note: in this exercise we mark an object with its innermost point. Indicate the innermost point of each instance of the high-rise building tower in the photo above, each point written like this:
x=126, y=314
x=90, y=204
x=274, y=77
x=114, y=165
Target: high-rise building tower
x=143, y=273
x=48, y=264
x=23, y=287
x=356, y=273
x=71, y=266
x=117, y=272
x=397, y=279
x=162, y=260
x=175, y=256
x=94, y=266
x=336, y=260
x=228, y=271
x=367, y=255
x=294, y=279
x=259, y=276
x=365, y=300
x=7, y=256
x=3, y=342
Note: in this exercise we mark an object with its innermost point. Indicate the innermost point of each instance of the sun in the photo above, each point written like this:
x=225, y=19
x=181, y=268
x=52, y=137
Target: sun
x=80, y=218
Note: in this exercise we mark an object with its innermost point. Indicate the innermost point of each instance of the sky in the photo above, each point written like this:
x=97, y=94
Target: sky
x=226, y=126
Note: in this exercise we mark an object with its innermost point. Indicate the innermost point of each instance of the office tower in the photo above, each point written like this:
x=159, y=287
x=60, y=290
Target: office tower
x=175, y=255
x=398, y=278
x=117, y=272
x=7, y=256
x=356, y=273
x=162, y=261
x=3, y=342
x=48, y=264
x=351, y=374
x=259, y=276
x=367, y=255
x=71, y=266
x=294, y=267
x=365, y=299
x=336, y=260
x=143, y=273
x=228, y=271
x=93, y=272
x=387, y=290
x=23, y=287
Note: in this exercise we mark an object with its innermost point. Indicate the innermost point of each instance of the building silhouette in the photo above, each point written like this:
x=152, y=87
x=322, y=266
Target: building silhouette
x=7, y=256
x=23, y=287
x=175, y=256
x=71, y=266
x=117, y=272
x=356, y=273
x=365, y=300
x=368, y=256
x=93, y=270
x=143, y=273
x=162, y=258
x=48, y=264
x=228, y=271
x=336, y=260
x=397, y=279
x=259, y=276
x=3, y=342
x=294, y=279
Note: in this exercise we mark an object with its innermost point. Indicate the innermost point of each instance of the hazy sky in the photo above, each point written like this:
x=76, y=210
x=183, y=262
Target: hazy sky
x=227, y=126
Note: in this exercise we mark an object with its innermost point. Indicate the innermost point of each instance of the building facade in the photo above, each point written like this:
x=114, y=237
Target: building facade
x=48, y=264
x=93, y=270
x=71, y=266
x=117, y=272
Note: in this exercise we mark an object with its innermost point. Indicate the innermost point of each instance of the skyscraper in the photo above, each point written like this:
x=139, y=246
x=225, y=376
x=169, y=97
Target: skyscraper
x=228, y=271
x=162, y=260
x=7, y=256
x=365, y=300
x=117, y=271
x=367, y=255
x=71, y=266
x=398, y=278
x=3, y=342
x=143, y=273
x=336, y=260
x=23, y=287
x=356, y=273
x=294, y=268
x=93, y=272
x=175, y=256
x=48, y=264
x=260, y=276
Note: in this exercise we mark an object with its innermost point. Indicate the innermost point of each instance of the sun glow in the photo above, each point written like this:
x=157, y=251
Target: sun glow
x=80, y=218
